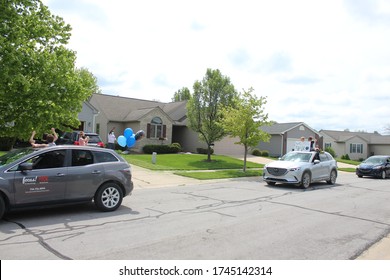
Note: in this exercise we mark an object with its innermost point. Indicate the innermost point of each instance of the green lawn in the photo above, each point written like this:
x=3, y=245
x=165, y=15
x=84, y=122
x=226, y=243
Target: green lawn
x=188, y=162
x=353, y=162
x=220, y=174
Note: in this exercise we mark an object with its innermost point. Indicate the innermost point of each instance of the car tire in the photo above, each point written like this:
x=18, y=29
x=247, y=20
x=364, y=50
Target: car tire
x=360, y=176
x=383, y=174
x=332, y=178
x=2, y=207
x=271, y=183
x=306, y=180
x=108, y=197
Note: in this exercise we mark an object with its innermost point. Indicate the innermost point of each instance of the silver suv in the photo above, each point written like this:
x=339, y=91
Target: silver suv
x=301, y=168
x=63, y=174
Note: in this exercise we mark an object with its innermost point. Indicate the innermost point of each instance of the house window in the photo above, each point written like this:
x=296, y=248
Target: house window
x=156, y=128
x=328, y=145
x=356, y=148
x=98, y=128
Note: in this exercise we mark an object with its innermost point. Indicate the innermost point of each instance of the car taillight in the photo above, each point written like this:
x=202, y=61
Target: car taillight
x=100, y=144
x=76, y=143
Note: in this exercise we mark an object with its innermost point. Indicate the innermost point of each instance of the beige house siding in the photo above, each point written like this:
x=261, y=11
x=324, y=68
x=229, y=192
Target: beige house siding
x=379, y=150
x=358, y=141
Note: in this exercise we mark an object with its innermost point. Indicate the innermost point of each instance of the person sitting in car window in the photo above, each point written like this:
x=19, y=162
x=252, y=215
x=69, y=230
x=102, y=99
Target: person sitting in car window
x=83, y=140
x=50, y=139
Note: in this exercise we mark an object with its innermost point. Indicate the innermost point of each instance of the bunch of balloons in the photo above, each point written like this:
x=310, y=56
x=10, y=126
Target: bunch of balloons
x=129, y=138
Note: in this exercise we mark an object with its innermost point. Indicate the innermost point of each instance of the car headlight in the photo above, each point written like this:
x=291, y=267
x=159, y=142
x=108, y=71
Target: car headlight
x=294, y=169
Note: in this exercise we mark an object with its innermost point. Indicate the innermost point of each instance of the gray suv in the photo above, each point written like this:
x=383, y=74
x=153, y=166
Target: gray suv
x=301, y=169
x=63, y=174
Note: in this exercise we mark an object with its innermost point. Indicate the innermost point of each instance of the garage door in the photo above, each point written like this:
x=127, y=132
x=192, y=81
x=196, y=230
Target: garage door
x=227, y=147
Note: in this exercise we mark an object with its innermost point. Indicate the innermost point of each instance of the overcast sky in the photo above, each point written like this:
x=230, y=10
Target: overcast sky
x=325, y=62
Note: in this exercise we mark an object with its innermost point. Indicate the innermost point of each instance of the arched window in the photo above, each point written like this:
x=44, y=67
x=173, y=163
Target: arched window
x=156, y=128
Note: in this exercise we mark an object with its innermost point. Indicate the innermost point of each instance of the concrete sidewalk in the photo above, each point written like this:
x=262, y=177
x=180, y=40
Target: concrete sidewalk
x=145, y=178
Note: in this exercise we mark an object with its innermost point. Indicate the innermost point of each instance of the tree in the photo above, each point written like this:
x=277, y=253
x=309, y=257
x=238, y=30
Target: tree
x=40, y=87
x=182, y=94
x=249, y=113
x=204, y=107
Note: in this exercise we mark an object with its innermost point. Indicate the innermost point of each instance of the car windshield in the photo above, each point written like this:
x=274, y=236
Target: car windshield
x=375, y=160
x=14, y=155
x=297, y=157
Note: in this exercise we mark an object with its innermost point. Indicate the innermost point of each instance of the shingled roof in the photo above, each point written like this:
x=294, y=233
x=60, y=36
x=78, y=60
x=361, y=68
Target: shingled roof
x=371, y=138
x=120, y=109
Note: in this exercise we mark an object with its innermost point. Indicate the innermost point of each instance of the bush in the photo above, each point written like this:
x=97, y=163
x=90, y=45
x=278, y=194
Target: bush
x=161, y=149
x=204, y=151
x=178, y=146
x=265, y=153
x=256, y=152
x=346, y=157
x=330, y=151
x=6, y=143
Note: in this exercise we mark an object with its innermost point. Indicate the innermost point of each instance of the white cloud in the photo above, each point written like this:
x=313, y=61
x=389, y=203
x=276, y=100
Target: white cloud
x=322, y=62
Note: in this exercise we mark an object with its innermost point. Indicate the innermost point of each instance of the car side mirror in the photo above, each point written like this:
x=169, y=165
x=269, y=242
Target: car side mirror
x=316, y=161
x=25, y=166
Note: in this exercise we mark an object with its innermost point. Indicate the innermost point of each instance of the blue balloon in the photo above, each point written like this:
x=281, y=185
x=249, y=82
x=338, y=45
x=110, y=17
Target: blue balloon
x=122, y=141
x=128, y=132
x=131, y=141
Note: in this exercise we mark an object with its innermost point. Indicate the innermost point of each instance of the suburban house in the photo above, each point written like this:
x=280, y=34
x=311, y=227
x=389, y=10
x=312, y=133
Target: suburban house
x=87, y=117
x=163, y=123
x=357, y=145
x=285, y=135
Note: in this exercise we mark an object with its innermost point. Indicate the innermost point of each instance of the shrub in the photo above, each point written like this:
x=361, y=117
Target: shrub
x=265, y=153
x=178, y=146
x=161, y=149
x=256, y=152
x=330, y=151
x=204, y=151
x=346, y=157
x=6, y=143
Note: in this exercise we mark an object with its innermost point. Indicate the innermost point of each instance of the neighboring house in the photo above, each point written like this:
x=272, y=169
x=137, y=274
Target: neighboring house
x=357, y=145
x=285, y=135
x=87, y=117
x=164, y=123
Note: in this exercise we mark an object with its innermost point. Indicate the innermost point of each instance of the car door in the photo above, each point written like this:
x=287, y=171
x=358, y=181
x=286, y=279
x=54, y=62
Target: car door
x=325, y=166
x=84, y=176
x=46, y=182
x=387, y=166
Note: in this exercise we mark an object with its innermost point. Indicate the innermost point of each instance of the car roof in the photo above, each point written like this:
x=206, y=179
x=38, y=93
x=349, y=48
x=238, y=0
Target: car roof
x=379, y=156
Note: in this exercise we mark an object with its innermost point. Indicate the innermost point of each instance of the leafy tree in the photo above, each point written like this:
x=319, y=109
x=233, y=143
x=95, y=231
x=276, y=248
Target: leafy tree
x=204, y=107
x=249, y=114
x=181, y=95
x=40, y=87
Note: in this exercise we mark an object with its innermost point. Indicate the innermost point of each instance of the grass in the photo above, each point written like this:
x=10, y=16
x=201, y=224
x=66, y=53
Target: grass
x=348, y=161
x=188, y=162
x=346, y=169
x=221, y=174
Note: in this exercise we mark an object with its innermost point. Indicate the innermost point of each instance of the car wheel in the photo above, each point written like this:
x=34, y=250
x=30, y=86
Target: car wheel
x=306, y=180
x=383, y=174
x=2, y=207
x=108, y=197
x=332, y=177
x=360, y=176
x=271, y=183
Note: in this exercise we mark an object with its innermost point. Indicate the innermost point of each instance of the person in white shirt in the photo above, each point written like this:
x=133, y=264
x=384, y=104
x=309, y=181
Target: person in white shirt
x=111, y=139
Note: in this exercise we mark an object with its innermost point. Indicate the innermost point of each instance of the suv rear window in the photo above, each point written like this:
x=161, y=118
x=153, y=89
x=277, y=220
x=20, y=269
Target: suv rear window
x=93, y=138
x=104, y=157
